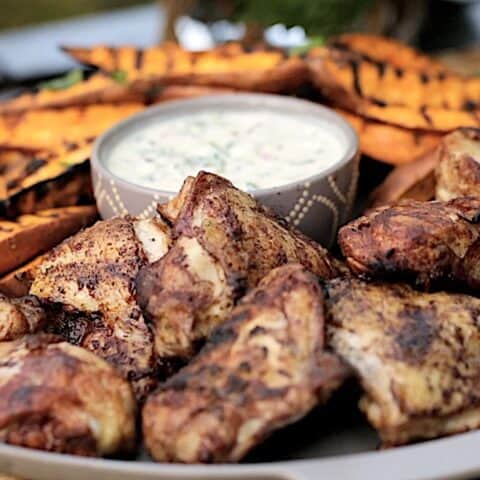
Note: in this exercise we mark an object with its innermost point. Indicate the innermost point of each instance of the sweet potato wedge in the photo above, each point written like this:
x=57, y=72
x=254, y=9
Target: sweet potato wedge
x=50, y=129
x=388, y=143
x=45, y=180
x=18, y=282
x=229, y=66
x=98, y=89
x=385, y=84
x=415, y=180
x=407, y=101
x=389, y=50
x=31, y=235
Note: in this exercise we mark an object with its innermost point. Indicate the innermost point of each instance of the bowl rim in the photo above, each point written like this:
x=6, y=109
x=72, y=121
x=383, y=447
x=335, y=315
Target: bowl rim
x=276, y=102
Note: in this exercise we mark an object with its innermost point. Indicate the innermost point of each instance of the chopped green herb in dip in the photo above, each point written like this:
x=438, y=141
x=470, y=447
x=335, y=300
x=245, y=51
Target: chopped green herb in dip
x=253, y=149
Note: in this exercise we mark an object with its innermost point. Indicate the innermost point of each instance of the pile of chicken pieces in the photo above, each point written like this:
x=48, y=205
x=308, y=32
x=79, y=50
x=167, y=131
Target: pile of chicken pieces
x=218, y=324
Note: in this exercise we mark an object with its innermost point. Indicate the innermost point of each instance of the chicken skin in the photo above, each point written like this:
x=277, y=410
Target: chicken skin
x=20, y=316
x=428, y=243
x=61, y=398
x=224, y=243
x=264, y=368
x=416, y=355
x=90, y=281
x=458, y=169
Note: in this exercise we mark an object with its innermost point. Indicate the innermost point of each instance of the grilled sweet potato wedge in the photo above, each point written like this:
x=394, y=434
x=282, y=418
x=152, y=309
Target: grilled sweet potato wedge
x=52, y=128
x=228, y=66
x=409, y=99
x=37, y=181
x=98, y=89
x=31, y=235
x=415, y=180
x=18, y=282
x=388, y=50
x=383, y=83
x=389, y=143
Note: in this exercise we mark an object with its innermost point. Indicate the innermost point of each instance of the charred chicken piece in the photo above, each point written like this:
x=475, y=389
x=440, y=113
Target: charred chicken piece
x=225, y=243
x=416, y=355
x=427, y=242
x=458, y=170
x=58, y=397
x=262, y=369
x=90, y=281
x=20, y=316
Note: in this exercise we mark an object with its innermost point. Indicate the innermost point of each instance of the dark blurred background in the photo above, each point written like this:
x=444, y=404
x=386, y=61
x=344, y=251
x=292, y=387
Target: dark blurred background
x=31, y=30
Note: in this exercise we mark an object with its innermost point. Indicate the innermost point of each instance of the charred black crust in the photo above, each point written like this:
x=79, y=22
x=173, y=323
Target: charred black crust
x=27, y=200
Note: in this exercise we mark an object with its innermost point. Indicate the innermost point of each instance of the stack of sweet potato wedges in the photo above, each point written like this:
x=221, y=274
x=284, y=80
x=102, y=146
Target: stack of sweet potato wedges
x=400, y=102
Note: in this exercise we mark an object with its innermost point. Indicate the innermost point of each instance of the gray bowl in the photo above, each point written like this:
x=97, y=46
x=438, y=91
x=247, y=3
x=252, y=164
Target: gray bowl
x=316, y=205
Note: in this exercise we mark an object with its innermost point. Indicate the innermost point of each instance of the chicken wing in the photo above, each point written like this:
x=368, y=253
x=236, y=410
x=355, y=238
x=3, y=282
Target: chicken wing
x=416, y=355
x=58, y=397
x=20, y=316
x=225, y=243
x=262, y=369
x=427, y=242
x=458, y=170
x=90, y=279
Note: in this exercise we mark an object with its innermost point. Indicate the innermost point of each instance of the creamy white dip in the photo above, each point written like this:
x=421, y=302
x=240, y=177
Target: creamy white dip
x=253, y=149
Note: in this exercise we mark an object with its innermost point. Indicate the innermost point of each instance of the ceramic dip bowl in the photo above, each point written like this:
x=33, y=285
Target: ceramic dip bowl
x=297, y=157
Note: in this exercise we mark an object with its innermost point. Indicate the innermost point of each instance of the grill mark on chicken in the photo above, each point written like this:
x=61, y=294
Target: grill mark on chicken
x=416, y=333
x=415, y=353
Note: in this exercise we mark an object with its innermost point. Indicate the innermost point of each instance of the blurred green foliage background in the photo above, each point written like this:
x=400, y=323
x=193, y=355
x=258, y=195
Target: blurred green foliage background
x=16, y=13
x=317, y=16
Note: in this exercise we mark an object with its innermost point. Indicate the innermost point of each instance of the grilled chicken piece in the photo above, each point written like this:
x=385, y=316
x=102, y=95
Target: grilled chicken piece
x=225, y=243
x=20, y=316
x=58, y=397
x=426, y=242
x=458, y=170
x=416, y=355
x=262, y=369
x=91, y=277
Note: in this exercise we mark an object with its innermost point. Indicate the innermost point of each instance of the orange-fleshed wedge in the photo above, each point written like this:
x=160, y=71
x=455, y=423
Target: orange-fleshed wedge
x=229, y=66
